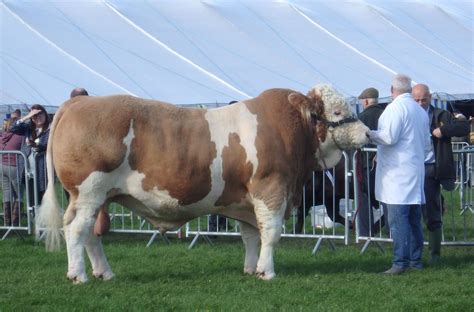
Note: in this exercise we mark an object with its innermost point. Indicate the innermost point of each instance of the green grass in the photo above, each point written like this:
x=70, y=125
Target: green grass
x=171, y=277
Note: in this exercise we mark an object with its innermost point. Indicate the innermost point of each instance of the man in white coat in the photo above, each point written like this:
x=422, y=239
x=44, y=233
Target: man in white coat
x=403, y=141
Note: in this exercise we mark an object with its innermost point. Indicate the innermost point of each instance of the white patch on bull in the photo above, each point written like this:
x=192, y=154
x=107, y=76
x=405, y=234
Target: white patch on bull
x=222, y=122
x=328, y=154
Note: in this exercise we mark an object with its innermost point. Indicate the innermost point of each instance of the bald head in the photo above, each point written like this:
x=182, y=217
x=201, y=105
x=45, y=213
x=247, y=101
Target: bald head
x=78, y=91
x=421, y=94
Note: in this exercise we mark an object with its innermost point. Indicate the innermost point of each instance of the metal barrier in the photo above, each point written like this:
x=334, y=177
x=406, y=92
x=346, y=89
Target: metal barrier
x=458, y=224
x=372, y=211
x=19, y=195
x=123, y=220
x=319, y=226
x=459, y=228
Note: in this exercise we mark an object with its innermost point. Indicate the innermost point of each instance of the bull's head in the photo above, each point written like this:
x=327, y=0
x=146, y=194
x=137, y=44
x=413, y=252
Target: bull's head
x=336, y=127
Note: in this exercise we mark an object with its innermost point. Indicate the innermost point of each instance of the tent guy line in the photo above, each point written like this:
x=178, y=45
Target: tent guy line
x=64, y=52
x=148, y=35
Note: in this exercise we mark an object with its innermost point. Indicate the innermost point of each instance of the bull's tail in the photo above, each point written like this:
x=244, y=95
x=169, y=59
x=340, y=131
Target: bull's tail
x=49, y=216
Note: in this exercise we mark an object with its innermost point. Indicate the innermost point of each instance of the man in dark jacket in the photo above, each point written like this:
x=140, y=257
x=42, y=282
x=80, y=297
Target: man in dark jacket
x=439, y=165
x=370, y=117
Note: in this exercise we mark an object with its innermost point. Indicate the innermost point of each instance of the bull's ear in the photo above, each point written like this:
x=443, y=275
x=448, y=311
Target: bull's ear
x=297, y=99
x=315, y=94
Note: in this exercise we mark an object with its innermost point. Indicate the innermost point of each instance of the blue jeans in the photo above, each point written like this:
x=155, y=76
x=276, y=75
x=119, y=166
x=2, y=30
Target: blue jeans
x=407, y=235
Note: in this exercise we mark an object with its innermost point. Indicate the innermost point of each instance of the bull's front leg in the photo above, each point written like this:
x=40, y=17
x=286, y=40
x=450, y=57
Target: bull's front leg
x=251, y=239
x=100, y=266
x=269, y=220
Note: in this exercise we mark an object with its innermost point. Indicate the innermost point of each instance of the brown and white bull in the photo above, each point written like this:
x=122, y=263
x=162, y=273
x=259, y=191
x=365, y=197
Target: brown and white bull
x=247, y=161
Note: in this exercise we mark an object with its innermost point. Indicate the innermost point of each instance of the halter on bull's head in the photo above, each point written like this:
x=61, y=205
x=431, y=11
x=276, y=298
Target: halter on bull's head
x=336, y=127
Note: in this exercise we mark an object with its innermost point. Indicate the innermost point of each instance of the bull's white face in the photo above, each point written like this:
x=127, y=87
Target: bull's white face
x=343, y=137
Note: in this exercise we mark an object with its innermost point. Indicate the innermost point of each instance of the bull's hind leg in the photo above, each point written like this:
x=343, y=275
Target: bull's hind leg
x=269, y=220
x=100, y=266
x=251, y=238
x=78, y=223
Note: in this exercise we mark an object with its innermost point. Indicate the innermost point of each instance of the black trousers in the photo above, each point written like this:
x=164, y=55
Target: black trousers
x=432, y=211
x=31, y=194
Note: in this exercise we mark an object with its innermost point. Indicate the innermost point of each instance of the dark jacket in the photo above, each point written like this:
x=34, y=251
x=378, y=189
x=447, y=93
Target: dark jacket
x=445, y=167
x=24, y=128
x=370, y=117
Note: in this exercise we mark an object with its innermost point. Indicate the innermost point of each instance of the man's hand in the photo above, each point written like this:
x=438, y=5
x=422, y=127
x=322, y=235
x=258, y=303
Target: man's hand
x=437, y=133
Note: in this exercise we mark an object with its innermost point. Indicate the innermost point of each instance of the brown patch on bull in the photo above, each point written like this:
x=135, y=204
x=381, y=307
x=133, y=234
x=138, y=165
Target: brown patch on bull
x=174, y=150
x=172, y=146
x=236, y=172
x=285, y=144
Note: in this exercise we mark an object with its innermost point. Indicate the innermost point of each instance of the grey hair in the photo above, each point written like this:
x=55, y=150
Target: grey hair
x=372, y=101
x=401, y=83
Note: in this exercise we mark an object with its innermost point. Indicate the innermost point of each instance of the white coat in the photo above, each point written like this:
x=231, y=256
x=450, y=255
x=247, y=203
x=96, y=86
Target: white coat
x=403, y=141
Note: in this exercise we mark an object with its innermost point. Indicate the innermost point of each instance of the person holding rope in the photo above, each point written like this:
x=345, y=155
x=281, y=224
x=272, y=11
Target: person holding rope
x=439, y=165
x=402, y=139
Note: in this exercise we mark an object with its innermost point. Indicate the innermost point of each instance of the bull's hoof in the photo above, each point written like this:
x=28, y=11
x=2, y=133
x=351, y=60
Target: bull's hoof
x=105, y=276
x=77, y=279
x=249, y=271
x=265, y=276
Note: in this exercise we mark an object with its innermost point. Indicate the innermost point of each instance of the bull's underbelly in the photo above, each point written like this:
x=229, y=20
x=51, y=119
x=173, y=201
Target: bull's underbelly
x=167, y=214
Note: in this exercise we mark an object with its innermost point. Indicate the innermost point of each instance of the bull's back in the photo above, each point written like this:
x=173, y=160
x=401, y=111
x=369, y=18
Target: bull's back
x=99, y=134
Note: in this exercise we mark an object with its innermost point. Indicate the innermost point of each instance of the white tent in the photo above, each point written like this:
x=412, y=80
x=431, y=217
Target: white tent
x=215, y=51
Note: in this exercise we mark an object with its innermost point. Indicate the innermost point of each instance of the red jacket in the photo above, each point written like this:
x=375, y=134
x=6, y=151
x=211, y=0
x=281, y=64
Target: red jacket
x=10, y=142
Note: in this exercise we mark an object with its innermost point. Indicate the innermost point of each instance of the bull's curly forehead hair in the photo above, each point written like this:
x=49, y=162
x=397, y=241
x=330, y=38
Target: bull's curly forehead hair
x=328, y=95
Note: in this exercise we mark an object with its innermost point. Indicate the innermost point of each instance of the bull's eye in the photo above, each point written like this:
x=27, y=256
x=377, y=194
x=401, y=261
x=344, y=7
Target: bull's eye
x=337, y=113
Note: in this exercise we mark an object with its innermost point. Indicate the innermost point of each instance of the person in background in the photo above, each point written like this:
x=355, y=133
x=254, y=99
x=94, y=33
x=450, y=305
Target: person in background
x=35, y=128
x=10, y=177
x=459, y=118
x=78, y=91
x=403, y=141
x=440, y=168
x=370, y=117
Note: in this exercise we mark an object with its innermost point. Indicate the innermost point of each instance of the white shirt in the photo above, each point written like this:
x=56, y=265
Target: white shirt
x=403, y=142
